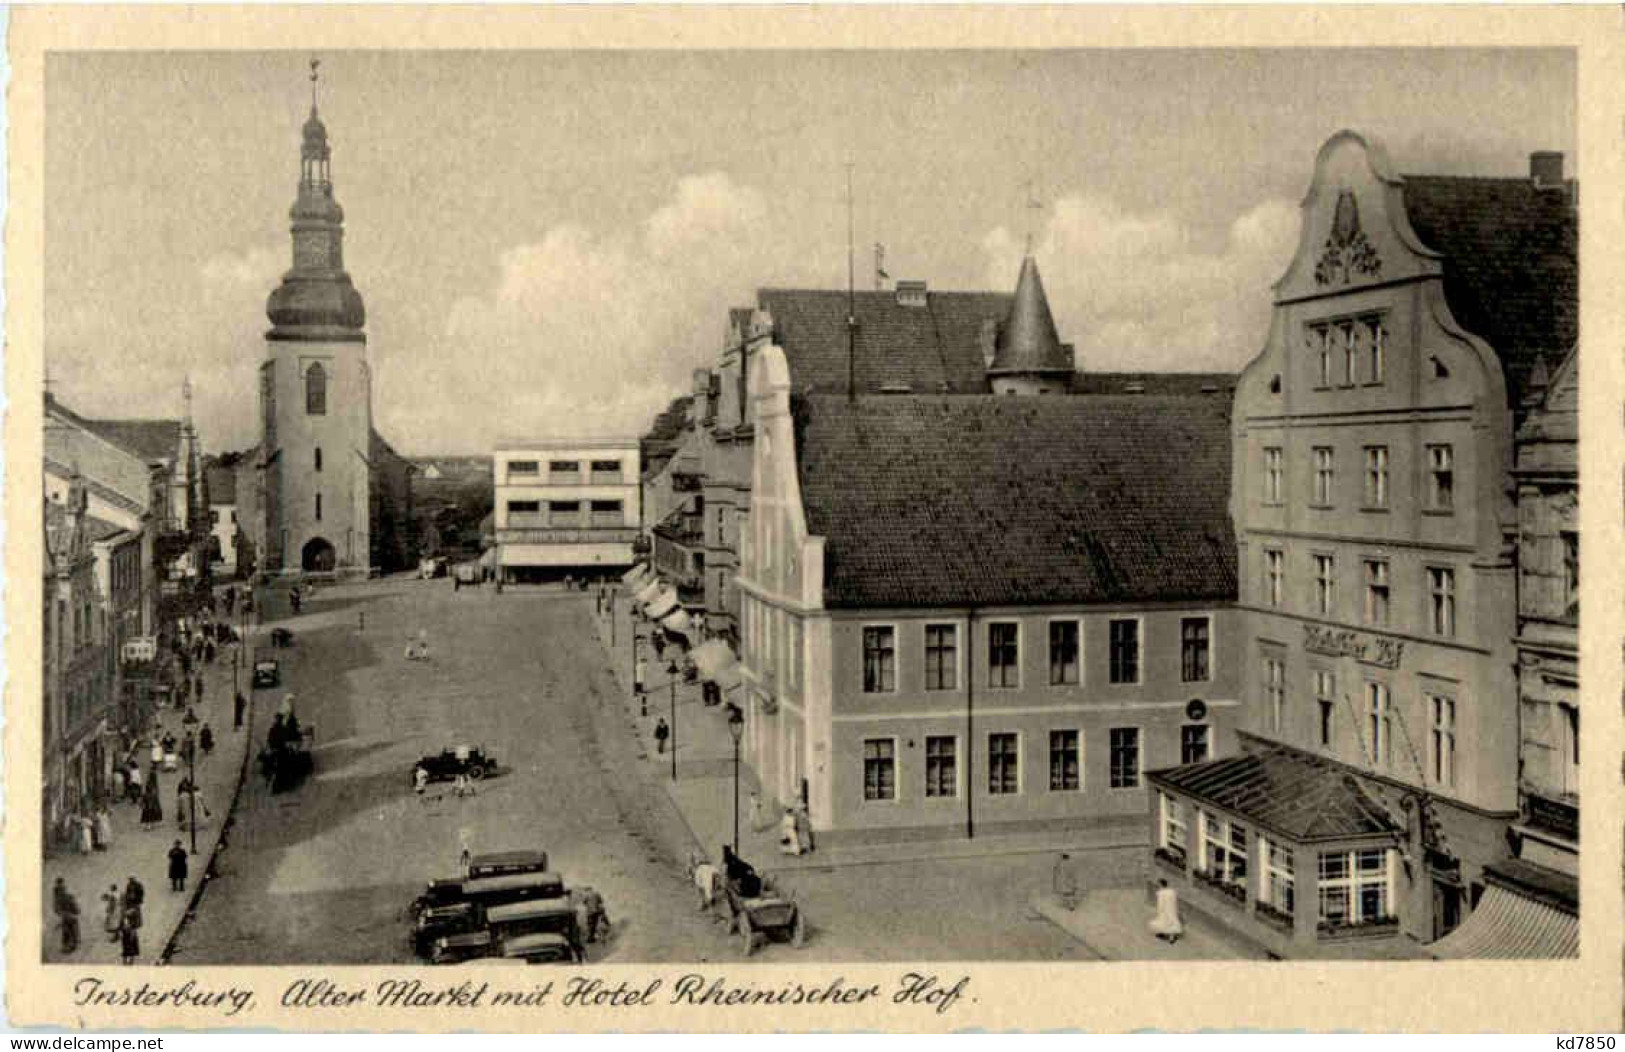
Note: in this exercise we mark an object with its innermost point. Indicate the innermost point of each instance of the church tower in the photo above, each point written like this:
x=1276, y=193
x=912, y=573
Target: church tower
x=316, y=388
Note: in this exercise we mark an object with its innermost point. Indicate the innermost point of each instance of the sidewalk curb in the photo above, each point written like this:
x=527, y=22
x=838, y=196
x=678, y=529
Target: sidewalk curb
x=228, y=819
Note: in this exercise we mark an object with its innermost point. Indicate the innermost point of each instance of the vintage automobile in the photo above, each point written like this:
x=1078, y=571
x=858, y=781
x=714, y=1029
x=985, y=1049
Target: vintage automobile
x=454, y=949
x=502, y=863
x=544, y=948
x=449, y=763
x=431, y=566
x=437, y=922
x=442, y=891
x=557, y=916
x=489, y=892
x=267, y=673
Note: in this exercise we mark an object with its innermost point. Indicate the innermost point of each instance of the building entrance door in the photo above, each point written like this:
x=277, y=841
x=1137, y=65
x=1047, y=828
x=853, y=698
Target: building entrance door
x=318, y=556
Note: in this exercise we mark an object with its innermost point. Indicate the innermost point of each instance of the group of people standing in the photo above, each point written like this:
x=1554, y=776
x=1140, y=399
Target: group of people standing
x=121, y=916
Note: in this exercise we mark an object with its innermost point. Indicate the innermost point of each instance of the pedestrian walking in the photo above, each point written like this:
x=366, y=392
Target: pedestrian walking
x=804, y=833
x=758, y=813
x=420, y=779
x=662, y=732
x=789, y=837
x=133, y=780
x=85, y=834
x=135, y=897
x=67, y=915
x=205, y=738
x=129, y=937
x=1165, y=924
x=1065, y=882
x=104, y=828
x=239, y=707
x=157, y=751
x=177, y=867
x=152, y=808
x=112, y=912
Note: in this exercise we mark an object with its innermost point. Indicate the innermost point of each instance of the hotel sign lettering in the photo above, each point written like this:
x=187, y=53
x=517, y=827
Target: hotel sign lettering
x=1339, y=642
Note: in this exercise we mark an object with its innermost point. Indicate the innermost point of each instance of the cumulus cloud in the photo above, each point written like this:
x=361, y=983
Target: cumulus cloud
x=586, y=331
x=1145, y=291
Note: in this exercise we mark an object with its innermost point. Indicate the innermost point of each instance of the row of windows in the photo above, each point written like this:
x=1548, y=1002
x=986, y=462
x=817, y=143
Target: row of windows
x=560, y=470
x=1378, y=594
x=565, y=512
x=1353, y=886
x=1374, y=475
x=1004, y=761
x=1376, y=719
x=1004, y=654
x=1349, y=352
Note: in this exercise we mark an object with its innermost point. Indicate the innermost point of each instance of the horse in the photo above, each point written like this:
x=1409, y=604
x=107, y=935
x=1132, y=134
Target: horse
x=707, y=879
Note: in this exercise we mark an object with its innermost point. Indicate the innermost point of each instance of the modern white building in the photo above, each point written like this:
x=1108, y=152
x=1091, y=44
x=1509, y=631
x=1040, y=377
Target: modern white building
x=567, y=506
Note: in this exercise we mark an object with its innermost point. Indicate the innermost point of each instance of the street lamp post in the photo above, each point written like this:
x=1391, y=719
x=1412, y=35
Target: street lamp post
x=191, y=781
x=671, y=672
x=736, y=729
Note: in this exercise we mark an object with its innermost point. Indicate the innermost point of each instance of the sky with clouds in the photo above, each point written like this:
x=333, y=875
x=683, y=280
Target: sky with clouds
x=548, y=242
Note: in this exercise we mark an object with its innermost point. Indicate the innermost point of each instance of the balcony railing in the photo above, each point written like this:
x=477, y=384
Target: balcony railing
x=566, y=535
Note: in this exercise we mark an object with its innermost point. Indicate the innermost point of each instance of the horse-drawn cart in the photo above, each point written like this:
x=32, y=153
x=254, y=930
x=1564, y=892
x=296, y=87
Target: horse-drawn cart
x=770, y=914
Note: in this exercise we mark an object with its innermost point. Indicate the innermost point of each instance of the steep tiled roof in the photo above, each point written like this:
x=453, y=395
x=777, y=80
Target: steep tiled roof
x=1218, y=385
x=979, y=499
x=148, y=439
x=1027, y=340
x=931, y=348
x=1284, y=790
x=1511, y=264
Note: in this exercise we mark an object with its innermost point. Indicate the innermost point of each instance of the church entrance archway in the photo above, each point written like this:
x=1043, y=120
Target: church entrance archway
x=318, y=556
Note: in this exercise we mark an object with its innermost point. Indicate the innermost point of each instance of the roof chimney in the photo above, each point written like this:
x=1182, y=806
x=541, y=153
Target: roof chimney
x=1546, y=169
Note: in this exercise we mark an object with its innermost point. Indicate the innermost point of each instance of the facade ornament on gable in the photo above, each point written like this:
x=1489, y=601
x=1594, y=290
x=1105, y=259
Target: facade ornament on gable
x=1348, y=252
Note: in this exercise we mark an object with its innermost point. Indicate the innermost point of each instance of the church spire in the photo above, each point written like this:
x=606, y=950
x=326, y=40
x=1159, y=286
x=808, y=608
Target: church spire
x=316, y=298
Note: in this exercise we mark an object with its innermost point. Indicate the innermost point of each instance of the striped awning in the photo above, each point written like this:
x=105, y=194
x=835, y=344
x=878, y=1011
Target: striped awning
x=677, y=621
x=648, y=591
x=717, y=664
x=634, y=576
x=1507, y=925
x=662, y=604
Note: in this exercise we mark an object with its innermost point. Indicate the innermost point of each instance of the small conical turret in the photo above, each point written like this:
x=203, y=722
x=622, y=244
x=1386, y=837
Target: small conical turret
x=1028, y=345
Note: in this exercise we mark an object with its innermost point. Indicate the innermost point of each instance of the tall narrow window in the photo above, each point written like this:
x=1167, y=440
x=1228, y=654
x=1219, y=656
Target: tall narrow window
x=1063, y=653
x=1193, y=743
x=1376, y=476
x=1322, y=341
x=1324, y=477
x=1444, y=739
x=1441, y=478
x=1003, y=765
x=941, y=657
x=318, y=507
x=880, y=769
x=1376, y=350
x=1125, y=757
x=1379, y=724
x=1347, y=336
x=1003, y=657
x=1571, y=573
x=941, y=763
x=1065, y=771
x=1272, y=474
x=1442, y=600
x=1376, y=591
x=1275, y=693
x=1125, y=651
x=318, y=458
x=1326, y=699
x=1325, y=585
x=316, y=390
x=1193, y=649
x=1274, y=572
x=879, y=660
x=1277, y=889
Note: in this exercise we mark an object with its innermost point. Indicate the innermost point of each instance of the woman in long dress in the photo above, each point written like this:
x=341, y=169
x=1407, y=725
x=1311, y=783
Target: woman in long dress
x=152, y=809
x=1166, y=924
x=789, y=836
x=112, y=912
x=104, y=828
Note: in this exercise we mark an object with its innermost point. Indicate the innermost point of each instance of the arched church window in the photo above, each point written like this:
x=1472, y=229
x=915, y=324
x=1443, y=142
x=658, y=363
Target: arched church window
x=318, y=458
x=318, y=507
x=316, y=390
